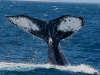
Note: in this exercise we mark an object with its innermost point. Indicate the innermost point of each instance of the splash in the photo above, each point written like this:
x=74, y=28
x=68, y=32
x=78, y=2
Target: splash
x=28, y=67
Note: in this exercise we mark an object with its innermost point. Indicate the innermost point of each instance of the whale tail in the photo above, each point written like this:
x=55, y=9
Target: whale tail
x=52, y=32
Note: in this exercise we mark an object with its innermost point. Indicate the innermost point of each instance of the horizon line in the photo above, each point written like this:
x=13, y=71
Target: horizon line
x=56, y=1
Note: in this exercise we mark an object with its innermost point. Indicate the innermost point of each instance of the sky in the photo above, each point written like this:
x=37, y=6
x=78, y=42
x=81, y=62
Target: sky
x=72, y=1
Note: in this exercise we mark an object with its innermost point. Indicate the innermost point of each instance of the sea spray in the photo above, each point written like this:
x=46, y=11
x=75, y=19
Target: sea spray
x=28, y=67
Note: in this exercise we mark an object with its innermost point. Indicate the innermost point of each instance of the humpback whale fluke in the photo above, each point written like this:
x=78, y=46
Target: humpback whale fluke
x=52, y=32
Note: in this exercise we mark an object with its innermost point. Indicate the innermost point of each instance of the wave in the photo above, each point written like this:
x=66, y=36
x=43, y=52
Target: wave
x=28, y=67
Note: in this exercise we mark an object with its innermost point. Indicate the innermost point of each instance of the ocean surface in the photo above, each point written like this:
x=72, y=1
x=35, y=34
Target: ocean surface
x=24, y=54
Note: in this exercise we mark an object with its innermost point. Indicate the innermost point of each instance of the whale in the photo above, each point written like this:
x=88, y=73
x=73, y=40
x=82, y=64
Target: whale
x=52, y=32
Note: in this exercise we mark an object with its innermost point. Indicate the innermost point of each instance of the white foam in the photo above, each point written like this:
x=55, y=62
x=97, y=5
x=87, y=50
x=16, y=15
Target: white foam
x=28, y=67
x=54, y=6
x=24, y=23
x=56, y=9
x=70, y=24
x=45, y=15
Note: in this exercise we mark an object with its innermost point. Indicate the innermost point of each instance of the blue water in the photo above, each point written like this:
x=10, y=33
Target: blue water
x=24, y=54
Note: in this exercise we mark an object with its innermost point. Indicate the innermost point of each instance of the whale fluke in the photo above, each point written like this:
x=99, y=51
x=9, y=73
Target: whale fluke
x=52, y=32
x=32, y=25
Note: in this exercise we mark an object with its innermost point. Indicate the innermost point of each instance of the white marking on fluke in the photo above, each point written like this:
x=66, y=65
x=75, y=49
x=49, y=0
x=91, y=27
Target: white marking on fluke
x=24, y=23
x=70, y=24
